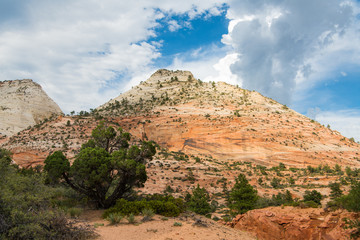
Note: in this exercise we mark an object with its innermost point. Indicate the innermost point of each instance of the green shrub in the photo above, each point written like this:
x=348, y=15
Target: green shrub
x=226, y=218
x=308, y=204
x=275, y=183
x=148, y=214
x=177, y=224
x=74, y=212
x=263, y=202
x=351, y=224
x=336, y=203
x=351, y=201
x=131, y=218
x=166, y=206
x=314, y=196
x=114, y=218
x=26, y=211
x=276, y=200
x=66, y=198
x=96, y=225
x=215, y=218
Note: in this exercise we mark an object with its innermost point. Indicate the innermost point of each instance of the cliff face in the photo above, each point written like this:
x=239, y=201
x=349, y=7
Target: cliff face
x=23, y=103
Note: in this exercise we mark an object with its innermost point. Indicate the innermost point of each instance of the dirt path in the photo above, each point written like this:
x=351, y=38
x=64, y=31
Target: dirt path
x=163, y=229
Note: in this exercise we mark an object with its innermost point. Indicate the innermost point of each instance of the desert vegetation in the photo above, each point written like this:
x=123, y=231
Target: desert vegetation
x=29, y=209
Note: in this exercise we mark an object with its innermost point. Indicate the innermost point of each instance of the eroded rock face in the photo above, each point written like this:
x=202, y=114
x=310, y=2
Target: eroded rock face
x=294, y=223
x=23, y=103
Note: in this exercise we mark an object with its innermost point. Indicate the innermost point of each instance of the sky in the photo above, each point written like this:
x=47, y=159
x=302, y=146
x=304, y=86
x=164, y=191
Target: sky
x=305, y=54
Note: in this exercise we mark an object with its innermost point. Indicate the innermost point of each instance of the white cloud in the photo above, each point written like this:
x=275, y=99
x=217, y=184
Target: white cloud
x=224, y=73
x=284, y=43
x=204, y=63
x=173, y=26
x=77, y=50
x=345, y=121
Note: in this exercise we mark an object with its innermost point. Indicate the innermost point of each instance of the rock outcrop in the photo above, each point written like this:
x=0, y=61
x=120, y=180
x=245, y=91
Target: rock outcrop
x=276, y=223
x=23, y=103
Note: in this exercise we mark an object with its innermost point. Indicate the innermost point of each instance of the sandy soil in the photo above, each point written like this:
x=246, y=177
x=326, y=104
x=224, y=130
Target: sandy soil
x=162, y=229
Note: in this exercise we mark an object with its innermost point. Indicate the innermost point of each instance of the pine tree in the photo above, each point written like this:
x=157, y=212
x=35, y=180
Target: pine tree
x=199, y=201
x=335, y=190
x=242, y=197
x=353, y=198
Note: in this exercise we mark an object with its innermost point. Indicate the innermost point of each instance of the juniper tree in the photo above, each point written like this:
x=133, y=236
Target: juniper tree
x=106, y=168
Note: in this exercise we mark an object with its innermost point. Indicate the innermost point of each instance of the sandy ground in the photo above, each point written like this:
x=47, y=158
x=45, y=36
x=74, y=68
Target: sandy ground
x=162, y=229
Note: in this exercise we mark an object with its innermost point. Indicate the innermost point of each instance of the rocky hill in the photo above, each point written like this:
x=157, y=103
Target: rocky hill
x=226, y=122
x=23, y=103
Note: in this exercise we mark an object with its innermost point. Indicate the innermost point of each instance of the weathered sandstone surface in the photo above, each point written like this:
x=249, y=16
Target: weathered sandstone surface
x=23, y=103
x=276, y=223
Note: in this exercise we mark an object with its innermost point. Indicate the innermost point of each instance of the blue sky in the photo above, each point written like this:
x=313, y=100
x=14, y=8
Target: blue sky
x=197, y=33
x=305, y=54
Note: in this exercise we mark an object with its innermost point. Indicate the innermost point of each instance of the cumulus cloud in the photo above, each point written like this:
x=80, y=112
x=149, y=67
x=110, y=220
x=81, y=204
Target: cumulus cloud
x=79, y=50
x=223, y=70
x=208, y=63
x=283, y=43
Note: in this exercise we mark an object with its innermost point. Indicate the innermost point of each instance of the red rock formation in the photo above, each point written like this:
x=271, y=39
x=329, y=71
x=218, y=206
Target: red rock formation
x=291, y=223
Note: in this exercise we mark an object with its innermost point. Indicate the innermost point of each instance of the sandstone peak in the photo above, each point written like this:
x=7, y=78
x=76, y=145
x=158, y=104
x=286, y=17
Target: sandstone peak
x=225, y=121
x=164, y=73
x=169, y=88
x=23, y=103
